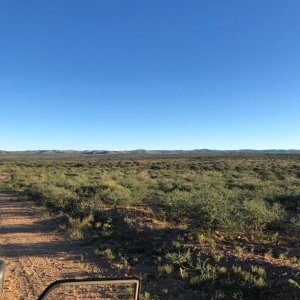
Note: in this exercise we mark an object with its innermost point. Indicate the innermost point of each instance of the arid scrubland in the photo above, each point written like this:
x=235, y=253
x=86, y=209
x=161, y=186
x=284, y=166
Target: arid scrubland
x=191, y=227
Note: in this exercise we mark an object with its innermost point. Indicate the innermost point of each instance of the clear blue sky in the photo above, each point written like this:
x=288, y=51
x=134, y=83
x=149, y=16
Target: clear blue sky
x=151, y=74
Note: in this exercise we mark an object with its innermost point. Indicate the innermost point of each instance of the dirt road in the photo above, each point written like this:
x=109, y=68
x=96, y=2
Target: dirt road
x=34, y=252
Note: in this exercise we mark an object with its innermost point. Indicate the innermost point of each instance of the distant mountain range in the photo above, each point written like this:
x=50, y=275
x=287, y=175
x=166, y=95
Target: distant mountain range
x=142, y=152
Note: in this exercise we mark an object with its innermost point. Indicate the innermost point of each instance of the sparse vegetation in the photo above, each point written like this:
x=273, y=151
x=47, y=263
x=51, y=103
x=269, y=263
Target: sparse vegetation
x=224, y=226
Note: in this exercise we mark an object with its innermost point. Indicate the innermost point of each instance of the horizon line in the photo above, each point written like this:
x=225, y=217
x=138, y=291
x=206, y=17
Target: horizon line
x=142, y=149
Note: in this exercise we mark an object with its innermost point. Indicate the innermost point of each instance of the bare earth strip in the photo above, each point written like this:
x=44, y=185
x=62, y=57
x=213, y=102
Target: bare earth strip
x=35, y=254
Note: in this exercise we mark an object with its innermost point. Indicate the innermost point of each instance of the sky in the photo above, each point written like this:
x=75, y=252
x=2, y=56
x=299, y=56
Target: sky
x=151, y=74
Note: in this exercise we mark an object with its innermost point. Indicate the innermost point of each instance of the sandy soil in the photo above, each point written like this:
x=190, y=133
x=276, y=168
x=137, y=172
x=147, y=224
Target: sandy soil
x=34, y=252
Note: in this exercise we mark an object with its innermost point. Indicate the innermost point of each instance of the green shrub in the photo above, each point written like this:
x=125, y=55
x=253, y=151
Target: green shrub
x=179, y=258
x=256, y=215
x=204, y=273
x=77, y=226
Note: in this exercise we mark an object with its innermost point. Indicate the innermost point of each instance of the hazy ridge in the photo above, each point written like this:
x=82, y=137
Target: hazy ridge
x=149, y=152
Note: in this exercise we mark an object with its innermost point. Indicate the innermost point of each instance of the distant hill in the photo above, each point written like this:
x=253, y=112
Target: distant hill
x=143, y=152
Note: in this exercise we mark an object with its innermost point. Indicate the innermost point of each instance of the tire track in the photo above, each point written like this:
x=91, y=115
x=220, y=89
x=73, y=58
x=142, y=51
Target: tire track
x=34, y=254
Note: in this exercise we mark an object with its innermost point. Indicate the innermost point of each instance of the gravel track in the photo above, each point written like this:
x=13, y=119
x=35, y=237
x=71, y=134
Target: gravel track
x=35, y=253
